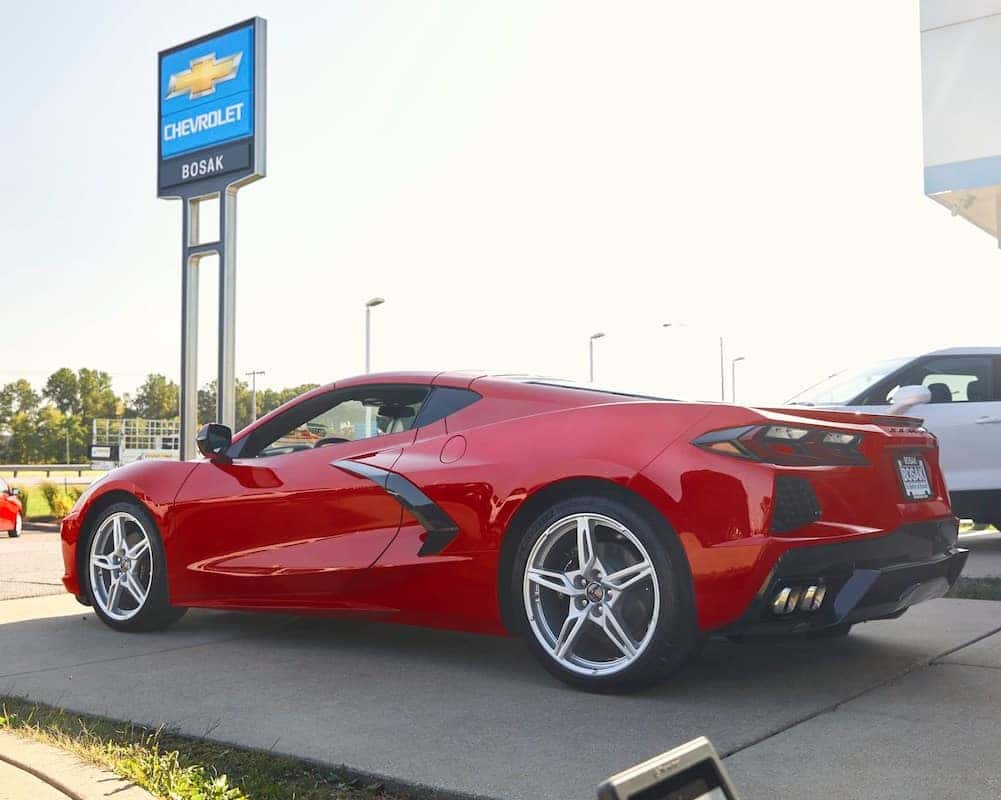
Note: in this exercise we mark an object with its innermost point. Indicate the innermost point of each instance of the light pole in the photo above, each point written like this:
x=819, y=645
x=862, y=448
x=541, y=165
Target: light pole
x=375, y=301
x=253, y=391
x=590, y=354
x=733, y=377
x=722, y=359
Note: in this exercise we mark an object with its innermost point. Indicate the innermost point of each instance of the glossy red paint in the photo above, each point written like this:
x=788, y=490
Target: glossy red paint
x=293, y=532
x=10, y=507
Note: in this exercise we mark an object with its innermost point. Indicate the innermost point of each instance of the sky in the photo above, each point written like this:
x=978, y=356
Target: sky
x=512, y=177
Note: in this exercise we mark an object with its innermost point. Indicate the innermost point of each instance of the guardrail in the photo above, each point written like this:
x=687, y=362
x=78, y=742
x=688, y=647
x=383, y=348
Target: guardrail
x=48, y=469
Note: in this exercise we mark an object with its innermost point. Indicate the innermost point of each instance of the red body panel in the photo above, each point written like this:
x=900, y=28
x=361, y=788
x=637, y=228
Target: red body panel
x=10, y=507
x=293, y=532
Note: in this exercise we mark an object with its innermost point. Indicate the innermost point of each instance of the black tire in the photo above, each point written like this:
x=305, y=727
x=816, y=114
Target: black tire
x=13, y=533
x=675, y=636
x=156, y=613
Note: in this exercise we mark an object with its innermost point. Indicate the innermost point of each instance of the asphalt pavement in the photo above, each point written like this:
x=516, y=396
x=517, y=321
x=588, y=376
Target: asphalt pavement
x=31, y=565
x=900, y=709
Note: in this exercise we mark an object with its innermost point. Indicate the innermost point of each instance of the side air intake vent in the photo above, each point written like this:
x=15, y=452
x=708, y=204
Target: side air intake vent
x=796, y=504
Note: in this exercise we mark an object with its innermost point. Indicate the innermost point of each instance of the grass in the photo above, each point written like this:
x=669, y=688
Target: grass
x=36, y=507
x=35, y=504
x=976, y=589
x=175, y=767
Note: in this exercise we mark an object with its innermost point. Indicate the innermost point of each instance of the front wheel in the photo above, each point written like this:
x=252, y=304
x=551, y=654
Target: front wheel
x=18, y=523
x=605, y=603
x=126, y=570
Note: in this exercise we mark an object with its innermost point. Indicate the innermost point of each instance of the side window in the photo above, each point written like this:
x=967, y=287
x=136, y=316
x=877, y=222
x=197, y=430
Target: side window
x=3, y=486
x=341, y=416
x=443, y=402
x=951, y=379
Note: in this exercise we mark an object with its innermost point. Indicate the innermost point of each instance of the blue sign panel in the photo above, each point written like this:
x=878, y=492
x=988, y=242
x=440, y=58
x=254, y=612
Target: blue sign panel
x=207, y=92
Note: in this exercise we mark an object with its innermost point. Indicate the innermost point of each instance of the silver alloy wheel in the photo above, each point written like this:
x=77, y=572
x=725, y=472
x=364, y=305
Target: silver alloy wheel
x=121, y=566
x=18, y=524
x=591, y=594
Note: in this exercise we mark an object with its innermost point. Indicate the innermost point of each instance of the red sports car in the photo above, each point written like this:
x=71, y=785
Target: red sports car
x=11, y=510
x=613, y=531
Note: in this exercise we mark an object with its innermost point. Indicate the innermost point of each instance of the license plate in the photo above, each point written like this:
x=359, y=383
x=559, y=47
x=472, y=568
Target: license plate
x=914, y=477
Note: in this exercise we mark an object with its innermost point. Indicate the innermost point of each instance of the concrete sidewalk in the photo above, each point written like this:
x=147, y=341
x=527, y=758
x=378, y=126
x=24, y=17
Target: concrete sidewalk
x=984, y=560
x=30, y=769
x=477, y=715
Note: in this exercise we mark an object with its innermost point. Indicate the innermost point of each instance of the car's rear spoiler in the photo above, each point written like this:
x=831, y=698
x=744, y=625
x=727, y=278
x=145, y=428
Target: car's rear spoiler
x=848, y=417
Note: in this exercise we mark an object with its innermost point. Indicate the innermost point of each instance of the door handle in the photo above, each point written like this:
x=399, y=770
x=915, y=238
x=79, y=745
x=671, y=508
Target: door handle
x=988, y=420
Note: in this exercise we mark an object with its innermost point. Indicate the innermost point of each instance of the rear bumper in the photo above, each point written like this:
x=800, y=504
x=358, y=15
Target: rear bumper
x=873, y=578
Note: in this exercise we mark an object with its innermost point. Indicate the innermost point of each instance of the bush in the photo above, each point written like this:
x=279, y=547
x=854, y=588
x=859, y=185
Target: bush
x=60, y=501
x=61, y=505
x=49, y=492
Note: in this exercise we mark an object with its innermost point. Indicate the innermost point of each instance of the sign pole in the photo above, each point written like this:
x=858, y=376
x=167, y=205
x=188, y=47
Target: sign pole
x=189, y=329
x=226, y=379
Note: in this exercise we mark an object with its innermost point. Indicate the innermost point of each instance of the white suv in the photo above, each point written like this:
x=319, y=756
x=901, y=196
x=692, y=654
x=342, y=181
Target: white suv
x=958, y=394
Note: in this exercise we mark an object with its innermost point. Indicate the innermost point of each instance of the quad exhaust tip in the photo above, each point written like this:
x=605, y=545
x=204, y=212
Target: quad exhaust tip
x=804, y=599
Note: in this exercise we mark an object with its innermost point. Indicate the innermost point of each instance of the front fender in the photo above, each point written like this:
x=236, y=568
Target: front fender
x=155, y=484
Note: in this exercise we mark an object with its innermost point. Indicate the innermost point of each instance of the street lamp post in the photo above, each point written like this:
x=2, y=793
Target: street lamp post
x=590, y=354
x=733, y=377
x=253, y=392
x=722, y=359
x=375, y=301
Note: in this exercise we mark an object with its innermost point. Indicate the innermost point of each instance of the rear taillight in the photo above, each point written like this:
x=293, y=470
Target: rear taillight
x=786, y=445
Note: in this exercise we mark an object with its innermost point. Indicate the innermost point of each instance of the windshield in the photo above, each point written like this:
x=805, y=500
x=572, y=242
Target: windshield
x=843, y=387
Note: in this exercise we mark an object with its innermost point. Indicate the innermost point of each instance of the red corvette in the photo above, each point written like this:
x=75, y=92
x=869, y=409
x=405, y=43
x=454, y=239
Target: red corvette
x=613, y=531
x=11, y=510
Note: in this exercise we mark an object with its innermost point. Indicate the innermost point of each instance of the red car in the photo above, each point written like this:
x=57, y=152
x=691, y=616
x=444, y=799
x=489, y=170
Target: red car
x=613, y=531
x=11, y=510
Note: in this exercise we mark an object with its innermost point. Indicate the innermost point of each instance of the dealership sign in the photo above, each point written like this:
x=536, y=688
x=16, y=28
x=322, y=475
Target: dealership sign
x=211, y=111
x=209, y=143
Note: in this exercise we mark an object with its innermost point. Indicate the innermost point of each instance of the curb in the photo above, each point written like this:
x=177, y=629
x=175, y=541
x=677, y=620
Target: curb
x=64, y=772
x=42, y=527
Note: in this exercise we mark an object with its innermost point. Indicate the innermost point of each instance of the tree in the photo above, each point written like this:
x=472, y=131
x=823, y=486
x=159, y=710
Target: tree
x=39, y=436
x=206, y=403
x=17, y=398
x=97, y=399
x=270, y=399
x=63, y=389
x=157, y=398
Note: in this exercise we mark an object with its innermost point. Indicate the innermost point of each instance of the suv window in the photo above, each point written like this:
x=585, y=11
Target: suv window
x=951, y=379
x=340, y=416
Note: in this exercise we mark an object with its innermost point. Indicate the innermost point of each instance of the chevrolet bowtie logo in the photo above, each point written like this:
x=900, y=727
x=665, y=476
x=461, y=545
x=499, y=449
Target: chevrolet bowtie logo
x=203, y=76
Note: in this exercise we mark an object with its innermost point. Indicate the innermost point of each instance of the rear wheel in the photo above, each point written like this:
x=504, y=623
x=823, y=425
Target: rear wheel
x=125, y=570
x=18, y=523
x=604, y=602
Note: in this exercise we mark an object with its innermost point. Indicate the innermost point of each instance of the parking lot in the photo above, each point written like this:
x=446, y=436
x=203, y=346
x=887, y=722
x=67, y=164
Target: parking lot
x=477, y=716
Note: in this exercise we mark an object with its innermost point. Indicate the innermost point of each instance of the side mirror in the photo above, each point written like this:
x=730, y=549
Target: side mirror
x=906, y=397
x=214, y=440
